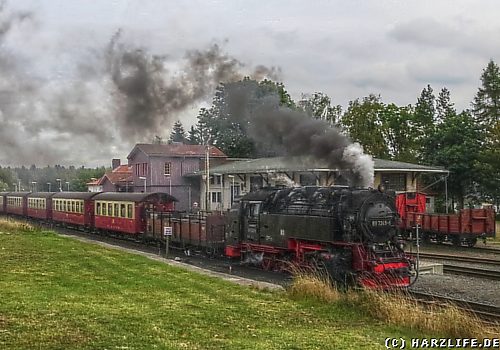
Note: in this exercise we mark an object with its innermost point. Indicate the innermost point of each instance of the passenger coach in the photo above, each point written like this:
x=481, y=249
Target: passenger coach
x=40, y=205
x=16, y=203
x=126, y=212
x=73, y=208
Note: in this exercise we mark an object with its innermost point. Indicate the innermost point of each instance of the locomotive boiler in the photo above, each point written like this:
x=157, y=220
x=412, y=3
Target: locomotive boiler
x=352, y=233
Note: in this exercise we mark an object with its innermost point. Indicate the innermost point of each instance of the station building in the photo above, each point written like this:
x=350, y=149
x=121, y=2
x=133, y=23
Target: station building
x=230, y=180
x=181, y=170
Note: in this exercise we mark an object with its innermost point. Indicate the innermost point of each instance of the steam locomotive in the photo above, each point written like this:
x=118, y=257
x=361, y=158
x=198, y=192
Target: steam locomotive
x=351, y=233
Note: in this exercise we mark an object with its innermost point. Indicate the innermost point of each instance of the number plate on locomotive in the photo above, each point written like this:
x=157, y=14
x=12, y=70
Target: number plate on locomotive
x=375, y=223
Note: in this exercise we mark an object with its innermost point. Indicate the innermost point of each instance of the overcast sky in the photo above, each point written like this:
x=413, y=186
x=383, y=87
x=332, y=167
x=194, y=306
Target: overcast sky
x=347, y=49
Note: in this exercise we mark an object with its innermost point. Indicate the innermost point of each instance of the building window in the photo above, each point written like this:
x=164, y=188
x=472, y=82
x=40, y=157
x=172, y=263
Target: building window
x=394, y=181
x=168, y=166
x=215, y=180
x=216, y=197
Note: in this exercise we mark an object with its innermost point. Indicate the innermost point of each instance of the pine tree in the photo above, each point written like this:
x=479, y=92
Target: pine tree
x=178, y=134
x=444, y=107
x=486, y=105
x=486, y=109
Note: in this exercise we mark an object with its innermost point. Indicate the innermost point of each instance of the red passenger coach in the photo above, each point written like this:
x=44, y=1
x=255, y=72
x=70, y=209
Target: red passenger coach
x=126, y=212
x=73, y=208
x=17, y=203
x=40, y=205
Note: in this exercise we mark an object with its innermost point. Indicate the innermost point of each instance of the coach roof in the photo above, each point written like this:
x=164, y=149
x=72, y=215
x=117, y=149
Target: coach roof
x=134, y=197
x=41, y=194
x=74, y=195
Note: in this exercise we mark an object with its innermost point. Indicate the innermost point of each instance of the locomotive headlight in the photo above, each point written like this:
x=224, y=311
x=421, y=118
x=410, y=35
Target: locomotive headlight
x=351, y=218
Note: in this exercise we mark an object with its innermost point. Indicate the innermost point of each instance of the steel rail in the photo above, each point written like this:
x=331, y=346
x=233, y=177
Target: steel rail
x=486, y=312
x=461, y=258
x=470, y=271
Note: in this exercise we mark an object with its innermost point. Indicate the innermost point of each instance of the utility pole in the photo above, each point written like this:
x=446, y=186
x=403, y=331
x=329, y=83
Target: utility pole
x=207, y=175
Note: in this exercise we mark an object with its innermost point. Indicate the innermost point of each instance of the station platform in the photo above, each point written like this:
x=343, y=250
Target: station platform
x=427, y=268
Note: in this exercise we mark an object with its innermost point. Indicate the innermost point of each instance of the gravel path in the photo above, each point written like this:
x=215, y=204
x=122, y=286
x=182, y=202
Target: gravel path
x=463, y=287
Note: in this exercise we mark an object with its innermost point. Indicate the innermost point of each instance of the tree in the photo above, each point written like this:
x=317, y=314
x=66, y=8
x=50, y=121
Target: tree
x=363, y=122
x=456, y=148
x=444, y=107
x=319, y=106
x=178, y=134
x=488, y=168
x=486, y=109
x=397, y=132
x=486, y=105
x=225, y=124
x=423, y=122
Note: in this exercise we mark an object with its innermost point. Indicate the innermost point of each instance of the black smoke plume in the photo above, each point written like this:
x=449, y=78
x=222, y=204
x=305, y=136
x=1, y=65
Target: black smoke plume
x=150, y=97
x=292, y=132
x=110, y=97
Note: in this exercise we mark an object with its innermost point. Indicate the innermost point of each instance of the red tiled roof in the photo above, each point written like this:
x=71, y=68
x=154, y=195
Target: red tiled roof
x=122, y=173
x=177, y=150
x=94, y=182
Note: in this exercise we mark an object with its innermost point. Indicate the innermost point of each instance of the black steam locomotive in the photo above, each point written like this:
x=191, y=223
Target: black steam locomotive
x=350, y=232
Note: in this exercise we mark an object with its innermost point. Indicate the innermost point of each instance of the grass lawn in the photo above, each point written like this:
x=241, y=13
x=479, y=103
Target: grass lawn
x=59, y=293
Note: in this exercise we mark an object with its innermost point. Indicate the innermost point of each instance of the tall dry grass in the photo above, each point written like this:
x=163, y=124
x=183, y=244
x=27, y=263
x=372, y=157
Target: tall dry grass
x=398, y=309
x=446, y=319
x=10, y=225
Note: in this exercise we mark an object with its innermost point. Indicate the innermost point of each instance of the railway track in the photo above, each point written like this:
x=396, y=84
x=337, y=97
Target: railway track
x=486, y=312
x=487, y=250
x=460, y=258
x=470, y=271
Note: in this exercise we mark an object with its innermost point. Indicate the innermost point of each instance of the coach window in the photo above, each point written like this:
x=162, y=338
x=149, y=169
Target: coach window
x=129, y=211
x=110, y=209
x=104, y=209
x=98, y=208
x=122, y=211
x=117, y=210
x=168, y=168
x=73, y=206
x=77, y=206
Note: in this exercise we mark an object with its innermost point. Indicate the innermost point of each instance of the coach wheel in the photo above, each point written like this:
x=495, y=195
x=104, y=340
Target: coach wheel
x=471, y=242
x=456, y=241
